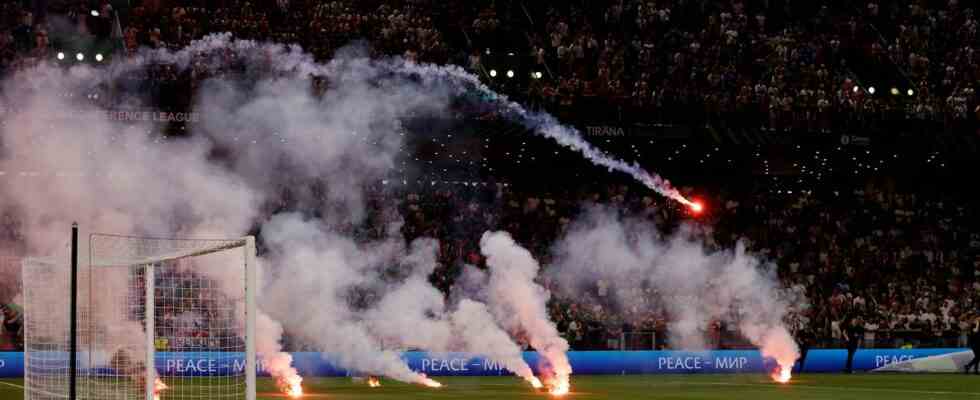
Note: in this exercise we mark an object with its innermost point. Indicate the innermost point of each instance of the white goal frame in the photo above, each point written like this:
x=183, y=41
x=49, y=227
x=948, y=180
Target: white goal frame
x=248, y=243
x=53, y=378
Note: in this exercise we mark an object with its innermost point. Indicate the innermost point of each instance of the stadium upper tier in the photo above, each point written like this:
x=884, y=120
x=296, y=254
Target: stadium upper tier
x=731, y=65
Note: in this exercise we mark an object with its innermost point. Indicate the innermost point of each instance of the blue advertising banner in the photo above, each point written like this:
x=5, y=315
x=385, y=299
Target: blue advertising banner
x=583, y=362
x=11, y=365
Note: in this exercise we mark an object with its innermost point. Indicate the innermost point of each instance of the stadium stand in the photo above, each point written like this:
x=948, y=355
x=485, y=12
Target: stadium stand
x=759, y=69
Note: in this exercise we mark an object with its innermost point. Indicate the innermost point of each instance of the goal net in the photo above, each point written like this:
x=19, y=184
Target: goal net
x=156, y=319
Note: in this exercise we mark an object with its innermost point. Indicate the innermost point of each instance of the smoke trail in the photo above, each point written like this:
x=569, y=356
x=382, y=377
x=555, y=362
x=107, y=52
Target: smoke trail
x=478, y=330
x=520, y=304
x=694, y=285
x=545, y=125
x=211, y=52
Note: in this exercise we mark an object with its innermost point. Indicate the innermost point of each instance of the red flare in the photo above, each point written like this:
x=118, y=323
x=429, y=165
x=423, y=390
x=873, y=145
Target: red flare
x=781, y=375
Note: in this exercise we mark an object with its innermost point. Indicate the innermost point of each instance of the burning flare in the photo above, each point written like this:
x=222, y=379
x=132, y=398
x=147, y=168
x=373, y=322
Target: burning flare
x=431, y=383
x=158, y=386
x=560, y=389
x=291, y=385
x=558, y=386
x=373, y=381
x=782, y=374
x=535, y=382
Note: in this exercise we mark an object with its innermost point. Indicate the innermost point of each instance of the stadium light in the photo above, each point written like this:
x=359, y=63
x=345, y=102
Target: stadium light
x=61, y=55
x=894, y=91
x=910, y=92
x=871, y=90
x=493, y=73
x=856, y=88
x=80, y=57
x=98, y=57
x=95, y=13
x=510, y=73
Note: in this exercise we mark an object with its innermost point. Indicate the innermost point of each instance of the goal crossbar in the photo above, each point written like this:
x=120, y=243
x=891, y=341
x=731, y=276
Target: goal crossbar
x=221, y=246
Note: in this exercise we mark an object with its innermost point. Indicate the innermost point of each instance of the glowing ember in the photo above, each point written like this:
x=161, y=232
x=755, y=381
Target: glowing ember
x=292, y=386
x=782, y=375
x=536, y=383
x=558, y=385
x=373, y=381
x=158, y=386
x=560, y=389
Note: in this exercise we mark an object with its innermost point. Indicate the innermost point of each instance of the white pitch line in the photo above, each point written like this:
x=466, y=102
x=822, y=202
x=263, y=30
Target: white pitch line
x=832, y=388
x=38, y=391
x=11, y=384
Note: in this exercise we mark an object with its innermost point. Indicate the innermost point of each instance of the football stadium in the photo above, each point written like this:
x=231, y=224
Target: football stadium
x=508, y=199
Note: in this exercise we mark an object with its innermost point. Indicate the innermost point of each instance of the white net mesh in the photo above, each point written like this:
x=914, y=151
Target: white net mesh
x=178, y=306
x=45, y=330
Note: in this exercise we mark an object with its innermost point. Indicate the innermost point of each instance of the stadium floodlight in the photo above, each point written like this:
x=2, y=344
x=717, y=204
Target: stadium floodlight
x=80, y=57
x=910, y=92
x=510, y=73
x=95, y=13
x=106, y=311
x=60, y=55
x=894, y=91
x=98, y=57
x=856, y=88
x=871, y=90
x=493, y=73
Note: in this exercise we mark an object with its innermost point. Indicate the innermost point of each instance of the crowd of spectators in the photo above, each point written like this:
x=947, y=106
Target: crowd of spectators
x=191, y=313
x=733, y=64
x=937, y=46
x=398, y=28
x=762, y=65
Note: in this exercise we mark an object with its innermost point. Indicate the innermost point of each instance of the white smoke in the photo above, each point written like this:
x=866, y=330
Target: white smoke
x=109, y=177
x=694, y=284
x=547, y=125
x=520, y=304
x=479, y=330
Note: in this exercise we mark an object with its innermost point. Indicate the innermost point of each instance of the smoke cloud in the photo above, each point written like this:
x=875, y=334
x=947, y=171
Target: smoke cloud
x=265, y=136
x=520, y=304
x=692, y=283
x=479, y=330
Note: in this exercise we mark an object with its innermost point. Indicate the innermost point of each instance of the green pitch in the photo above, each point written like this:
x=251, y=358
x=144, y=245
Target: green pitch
x=667, y=387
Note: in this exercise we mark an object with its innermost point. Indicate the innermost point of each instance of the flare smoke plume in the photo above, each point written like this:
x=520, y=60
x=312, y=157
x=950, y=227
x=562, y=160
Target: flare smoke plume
x=694, y=284
x=521, y=304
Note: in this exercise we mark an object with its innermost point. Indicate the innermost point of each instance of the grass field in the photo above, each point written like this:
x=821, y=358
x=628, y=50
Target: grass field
x=728, y=387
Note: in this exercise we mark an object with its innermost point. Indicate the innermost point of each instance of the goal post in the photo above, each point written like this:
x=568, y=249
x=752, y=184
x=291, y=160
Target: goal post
x=150, y=313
